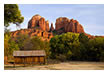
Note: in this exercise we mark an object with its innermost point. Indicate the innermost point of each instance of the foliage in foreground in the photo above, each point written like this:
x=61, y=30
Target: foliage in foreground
x=9, y=45
x=12, y=14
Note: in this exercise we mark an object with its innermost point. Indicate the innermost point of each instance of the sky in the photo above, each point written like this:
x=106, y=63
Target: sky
x=90, y=16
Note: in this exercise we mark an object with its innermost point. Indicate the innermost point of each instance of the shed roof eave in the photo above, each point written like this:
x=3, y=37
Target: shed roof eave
x=30, y=53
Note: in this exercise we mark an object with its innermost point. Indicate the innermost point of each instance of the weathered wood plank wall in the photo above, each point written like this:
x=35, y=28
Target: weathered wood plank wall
x=29, y=60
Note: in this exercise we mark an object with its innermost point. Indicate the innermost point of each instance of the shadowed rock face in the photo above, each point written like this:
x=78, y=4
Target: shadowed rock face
x=66, y=25
x=51, y=28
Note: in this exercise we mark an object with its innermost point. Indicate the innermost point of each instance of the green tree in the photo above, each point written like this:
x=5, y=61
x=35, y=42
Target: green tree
x=65, y=45
x=73, y=46
x=6, y=44
x=83, y=39
x=21, y=39
x=35, y=43
x=9, y=45
x=12, y=14
x=96, y=49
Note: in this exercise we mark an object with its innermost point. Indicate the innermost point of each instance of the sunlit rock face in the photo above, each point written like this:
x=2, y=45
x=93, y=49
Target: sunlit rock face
x=44, y=35
x=61, y=22
x=64, y=24
x=38, y=22
x=37, y=26
x=34, y=22
x=47, y=25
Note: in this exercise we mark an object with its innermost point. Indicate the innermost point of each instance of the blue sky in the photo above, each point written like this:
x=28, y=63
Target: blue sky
x=91, y=16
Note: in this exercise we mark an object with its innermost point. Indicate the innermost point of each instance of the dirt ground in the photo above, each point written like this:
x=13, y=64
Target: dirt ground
x=74, y=65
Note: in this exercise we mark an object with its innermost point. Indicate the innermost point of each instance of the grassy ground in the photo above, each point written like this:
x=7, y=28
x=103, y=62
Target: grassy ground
x=73, y=65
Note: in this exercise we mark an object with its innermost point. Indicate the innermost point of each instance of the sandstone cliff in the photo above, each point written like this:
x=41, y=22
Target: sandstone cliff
x=38, y=22
x=37, y=26
x=64, y=24
x=33, y=32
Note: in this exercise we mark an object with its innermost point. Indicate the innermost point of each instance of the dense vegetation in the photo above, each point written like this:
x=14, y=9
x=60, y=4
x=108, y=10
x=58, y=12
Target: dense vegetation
x=72, y=46
x=68, y=46
x=9, y=45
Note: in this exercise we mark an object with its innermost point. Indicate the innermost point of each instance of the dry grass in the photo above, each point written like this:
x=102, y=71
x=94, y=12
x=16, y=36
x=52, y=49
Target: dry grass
x=74, y=65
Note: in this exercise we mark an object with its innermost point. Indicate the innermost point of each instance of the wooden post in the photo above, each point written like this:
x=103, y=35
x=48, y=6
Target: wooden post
x=24, y=61
x=39, y=59
x=14, y=61
x=44, y=59
x=32, y=61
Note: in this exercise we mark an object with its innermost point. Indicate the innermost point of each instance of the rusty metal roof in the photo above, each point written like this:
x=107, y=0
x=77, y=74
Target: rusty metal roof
x=30, y=53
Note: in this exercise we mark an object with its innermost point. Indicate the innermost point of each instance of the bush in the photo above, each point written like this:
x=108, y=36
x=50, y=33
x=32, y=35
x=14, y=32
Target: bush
x=61, y=57
x=96, y=49
x=21, y=39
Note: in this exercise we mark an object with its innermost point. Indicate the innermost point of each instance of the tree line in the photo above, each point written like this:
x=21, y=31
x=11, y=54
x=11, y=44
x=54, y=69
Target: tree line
x=74, y=46
x=67, y=46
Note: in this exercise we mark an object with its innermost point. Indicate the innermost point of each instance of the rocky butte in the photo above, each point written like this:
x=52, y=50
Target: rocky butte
x=64, y=24
x=38, y=26
x=38, y=22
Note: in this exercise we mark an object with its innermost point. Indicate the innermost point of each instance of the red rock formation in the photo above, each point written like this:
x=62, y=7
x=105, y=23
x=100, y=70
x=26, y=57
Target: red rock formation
x=47, y=25
x=33, y=32
x=70, y=27
x=51, y=28
x=37, y=26
x=42, y=24
x=38, y=22
x=33, y=23
x=63, y=24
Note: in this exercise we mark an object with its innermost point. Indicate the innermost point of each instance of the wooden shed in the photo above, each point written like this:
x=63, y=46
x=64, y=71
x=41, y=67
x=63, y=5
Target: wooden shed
x=29, y=57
